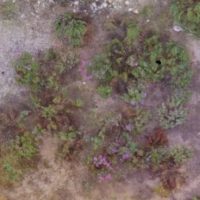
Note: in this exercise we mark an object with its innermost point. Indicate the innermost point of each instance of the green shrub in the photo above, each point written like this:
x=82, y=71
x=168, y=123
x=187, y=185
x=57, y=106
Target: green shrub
x=72, y=28
x=187, y=14
x=26, y=146
x=163, y=155
x=101, y=68
x=180, y=154
x=172, y=113
x=27, y=70
x=140, y=120
x=16, y=157
x=162, y=58
x=104, y=91
x=135, y=93
x=132, y=34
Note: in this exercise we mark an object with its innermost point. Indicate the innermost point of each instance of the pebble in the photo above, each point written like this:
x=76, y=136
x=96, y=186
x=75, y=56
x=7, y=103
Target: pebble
x=127, y=3
x=177, y=28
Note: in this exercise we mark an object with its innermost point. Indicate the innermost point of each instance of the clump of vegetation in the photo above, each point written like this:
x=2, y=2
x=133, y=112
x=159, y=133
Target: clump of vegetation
x=172, y=113
x=157, y=138
x=164, y=156
x=104, y=91
x=132, y=61
x=72, y=28
x=136, y=92
x=101, y=68
x=161, y=191
x=49, y=112
x=27, y=67
x=17, y=157
x=187, y=14
x=140, y=120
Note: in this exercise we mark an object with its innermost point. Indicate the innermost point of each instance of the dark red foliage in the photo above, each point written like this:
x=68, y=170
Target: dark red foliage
x=157, y=138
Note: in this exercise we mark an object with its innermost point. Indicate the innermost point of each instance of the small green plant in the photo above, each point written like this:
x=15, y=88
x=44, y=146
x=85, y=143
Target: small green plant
x=135, y=93
x=26, y=146
x=159, y=156
x=132, y=34
x=172, y=113
x=102, y=68
x=104, y=91
x=16, y=157
x=180, y=154
x=69, y=135
x=78, y=103
x=72, y=28
x=187, y=14
x=27, y=69
x=12, y=173
x=161, y=191
x=140, y=120
x=48, y=112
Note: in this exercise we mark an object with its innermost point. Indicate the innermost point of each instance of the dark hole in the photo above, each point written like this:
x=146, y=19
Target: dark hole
x=158, y=62
x=2, y=73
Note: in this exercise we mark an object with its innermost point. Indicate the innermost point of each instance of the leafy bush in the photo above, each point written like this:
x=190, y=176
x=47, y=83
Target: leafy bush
x=135, y=93
x=187, y=14
x=69, y=26
x=176, y=155
x=132, y=34
x=140, y=120
x=26, y=146
x=180, y=154
x=104, y=91
x=27, y=68
x=152, y=58
x=162, y=58
x=16, y=158
x=101, y=68
x=172, y=113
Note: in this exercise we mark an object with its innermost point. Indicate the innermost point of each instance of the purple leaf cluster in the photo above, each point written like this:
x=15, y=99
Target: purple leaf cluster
x=126, y=156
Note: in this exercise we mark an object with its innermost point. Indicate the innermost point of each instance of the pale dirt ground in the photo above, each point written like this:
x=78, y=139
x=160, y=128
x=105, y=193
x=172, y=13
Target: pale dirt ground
x=32, y=31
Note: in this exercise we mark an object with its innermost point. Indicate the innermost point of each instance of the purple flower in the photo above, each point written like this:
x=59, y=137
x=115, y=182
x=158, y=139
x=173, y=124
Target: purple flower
x=126, y=156
x=101, y=161
x=129, y=127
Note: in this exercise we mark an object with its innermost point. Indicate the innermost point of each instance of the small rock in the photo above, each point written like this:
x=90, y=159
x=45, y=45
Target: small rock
x=136, y=11
x=177, y=28
x=127, y=3
x=130, y=9
x=148, y=20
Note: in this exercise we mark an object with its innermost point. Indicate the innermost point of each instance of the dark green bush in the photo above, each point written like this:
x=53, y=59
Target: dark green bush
x=187, y=14
x=72, y=28
x=172, y=113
